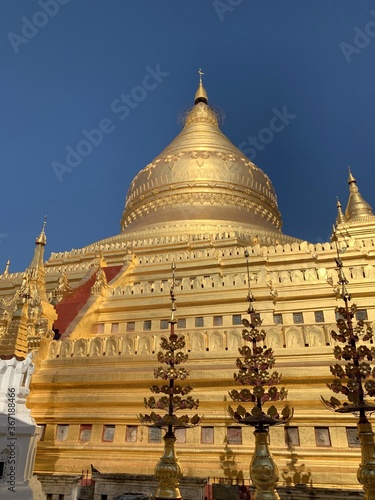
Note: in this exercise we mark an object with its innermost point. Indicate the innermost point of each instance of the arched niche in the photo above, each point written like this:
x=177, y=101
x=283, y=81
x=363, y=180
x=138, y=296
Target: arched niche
x=128, y=346
x=294, y=338
x=197, y=342
x=111, y=346
x=54, y=349
x=316, y=337
x=216, y=342
x=96, y=347
x=144, y=346
x=273, y=339
x=66, y=349
x=80, y=348
x=234, y=340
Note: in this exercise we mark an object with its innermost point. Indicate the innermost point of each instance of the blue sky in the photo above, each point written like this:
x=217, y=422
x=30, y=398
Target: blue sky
x=65, y=64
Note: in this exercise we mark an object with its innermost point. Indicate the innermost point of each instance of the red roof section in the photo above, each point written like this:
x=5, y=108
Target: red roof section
x=69, y=307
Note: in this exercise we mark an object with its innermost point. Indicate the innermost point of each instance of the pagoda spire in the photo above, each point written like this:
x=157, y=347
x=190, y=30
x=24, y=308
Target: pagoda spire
x=357, y=208
x=41, y=239
x=201, y=94
x=36, y=267
x=32, y=318
x=340, y=219
x=351, y=176
x=6, y=270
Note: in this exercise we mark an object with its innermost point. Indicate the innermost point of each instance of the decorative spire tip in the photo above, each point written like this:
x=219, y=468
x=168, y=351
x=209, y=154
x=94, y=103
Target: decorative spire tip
x=200, y=73
x=201, y=94
x=41, y=239
x=7, y=265
x=351, y=177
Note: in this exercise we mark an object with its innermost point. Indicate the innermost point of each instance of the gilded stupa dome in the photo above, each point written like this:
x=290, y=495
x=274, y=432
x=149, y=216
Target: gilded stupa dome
x=202, y=179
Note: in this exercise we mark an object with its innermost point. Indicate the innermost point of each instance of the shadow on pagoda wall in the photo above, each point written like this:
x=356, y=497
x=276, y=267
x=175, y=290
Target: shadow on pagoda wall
x=296, y=483
x=294, y=474
x=229, y=466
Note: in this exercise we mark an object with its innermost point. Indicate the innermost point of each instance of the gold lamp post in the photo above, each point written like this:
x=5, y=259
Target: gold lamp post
x=355, y=379
x=168, y=471
x=254, y=371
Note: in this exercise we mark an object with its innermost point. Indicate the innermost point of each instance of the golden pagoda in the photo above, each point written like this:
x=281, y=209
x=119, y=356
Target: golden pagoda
x=200, y=203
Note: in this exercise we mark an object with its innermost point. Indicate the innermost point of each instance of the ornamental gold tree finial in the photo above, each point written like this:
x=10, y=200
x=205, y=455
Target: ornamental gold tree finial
x=255, y=371
x=176, y=397
x=354, y=376
x=172, y=357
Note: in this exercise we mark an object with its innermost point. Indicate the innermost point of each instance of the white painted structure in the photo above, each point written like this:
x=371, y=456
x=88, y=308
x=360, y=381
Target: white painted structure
x=18, y=432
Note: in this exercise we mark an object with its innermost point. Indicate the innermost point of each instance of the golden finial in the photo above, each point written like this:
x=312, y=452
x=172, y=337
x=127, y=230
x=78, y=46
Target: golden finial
x=201, y=94
x=340, y=216
x=41, y=239
x=351, y=177
x=173, y=270
x=340, y=271
x=173, y=299
x=200, y=72
x=7, y=265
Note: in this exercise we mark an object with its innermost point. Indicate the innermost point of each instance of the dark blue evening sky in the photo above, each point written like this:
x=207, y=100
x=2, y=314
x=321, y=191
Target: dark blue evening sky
x=64, y=68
